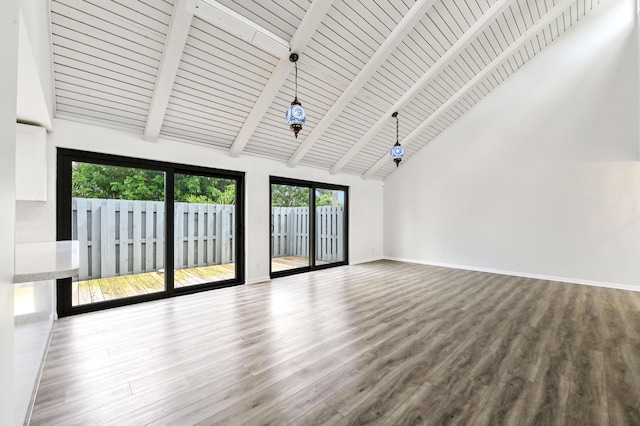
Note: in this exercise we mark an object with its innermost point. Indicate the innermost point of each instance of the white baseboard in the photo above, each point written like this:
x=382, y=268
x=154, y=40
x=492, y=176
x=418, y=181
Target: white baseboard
x=372, y=259
x=258, y=280
x=520, y=274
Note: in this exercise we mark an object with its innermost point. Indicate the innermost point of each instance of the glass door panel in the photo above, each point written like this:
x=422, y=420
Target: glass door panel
x=118, y=219
x=204, y=224
x=290, y=226
x=330, y=229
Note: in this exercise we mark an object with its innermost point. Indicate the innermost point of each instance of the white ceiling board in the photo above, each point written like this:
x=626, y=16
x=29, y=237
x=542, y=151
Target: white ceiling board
x=132, y=13
x=228, y=92
x=85, y=18
x=106, y=60
x=96, y=90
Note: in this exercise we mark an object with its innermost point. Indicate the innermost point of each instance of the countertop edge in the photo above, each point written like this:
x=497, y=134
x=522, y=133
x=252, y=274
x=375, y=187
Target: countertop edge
x=50, y=260
x=43, y=276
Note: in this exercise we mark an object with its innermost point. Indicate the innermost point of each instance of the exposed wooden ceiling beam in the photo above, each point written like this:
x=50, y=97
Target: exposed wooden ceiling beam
x=308, y=26
x=544, y=21
x=181, y=18
x=480, y=25
x=406, y=24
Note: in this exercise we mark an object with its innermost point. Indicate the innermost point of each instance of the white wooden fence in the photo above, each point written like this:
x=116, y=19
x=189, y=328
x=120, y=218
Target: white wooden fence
x=290, y=232
x=330, y=233
x=120, y=237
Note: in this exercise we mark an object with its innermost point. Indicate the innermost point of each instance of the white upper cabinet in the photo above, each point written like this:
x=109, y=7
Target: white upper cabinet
x=31, y=163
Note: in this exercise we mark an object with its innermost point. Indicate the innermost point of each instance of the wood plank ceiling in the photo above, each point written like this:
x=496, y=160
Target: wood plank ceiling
x=218, y=74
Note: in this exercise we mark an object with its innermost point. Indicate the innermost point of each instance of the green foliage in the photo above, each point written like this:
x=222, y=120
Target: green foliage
x=328, y=197
x=296, y=196
x=114, y=182
x=289, y=196
x=203, y=189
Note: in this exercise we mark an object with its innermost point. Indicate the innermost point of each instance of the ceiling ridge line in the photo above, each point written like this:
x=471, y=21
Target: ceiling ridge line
x=301, y=37
x=454, y=51
x=243, y=28
x=532, y=31
x=406, y=24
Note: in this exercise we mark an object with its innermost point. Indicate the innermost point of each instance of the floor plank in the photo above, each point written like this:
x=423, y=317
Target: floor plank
x=379, y=343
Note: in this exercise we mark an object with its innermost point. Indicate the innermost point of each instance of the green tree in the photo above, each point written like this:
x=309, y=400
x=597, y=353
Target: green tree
x=328, y=197
x=289, y=196
x=102, y=181
x=127, y=183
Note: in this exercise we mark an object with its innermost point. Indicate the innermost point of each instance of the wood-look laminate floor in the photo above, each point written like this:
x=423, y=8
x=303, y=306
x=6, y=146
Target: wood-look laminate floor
x=379, y=343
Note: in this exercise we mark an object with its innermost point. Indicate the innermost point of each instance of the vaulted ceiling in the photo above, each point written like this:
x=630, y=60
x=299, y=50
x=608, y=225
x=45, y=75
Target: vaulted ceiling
x=217, y=72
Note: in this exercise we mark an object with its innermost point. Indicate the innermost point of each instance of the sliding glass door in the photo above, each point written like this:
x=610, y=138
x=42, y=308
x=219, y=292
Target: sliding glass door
x=309, y=226
x=146, y=229
x=330, y=226
x=289, y=227
x=204, y=224
x=117, y=216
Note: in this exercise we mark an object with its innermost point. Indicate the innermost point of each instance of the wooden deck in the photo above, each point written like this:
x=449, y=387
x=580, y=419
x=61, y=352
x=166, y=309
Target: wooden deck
x=288, y=262
x=99, y=290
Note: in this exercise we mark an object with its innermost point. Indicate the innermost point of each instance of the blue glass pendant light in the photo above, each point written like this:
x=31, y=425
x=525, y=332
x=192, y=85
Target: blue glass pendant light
x=296, y=116
x=397, y=152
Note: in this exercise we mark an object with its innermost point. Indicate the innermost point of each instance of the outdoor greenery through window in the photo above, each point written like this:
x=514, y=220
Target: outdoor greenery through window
x=113, y=182
x=119, y=219
x=296, y=196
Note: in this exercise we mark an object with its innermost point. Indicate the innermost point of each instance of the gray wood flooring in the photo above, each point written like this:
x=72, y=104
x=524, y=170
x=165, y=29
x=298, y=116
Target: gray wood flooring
x=379, y=343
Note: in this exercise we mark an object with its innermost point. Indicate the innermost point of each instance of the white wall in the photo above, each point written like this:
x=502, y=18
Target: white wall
x=8, y=89
x=36, y=221
x=541, y=178
x=35, y=65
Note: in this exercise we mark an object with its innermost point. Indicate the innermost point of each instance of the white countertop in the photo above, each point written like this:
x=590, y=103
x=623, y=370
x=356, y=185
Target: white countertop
x=46, y=261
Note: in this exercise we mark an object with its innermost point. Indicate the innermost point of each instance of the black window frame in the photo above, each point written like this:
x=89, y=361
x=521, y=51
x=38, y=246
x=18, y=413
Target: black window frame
x=312, y=185
x=65, y=158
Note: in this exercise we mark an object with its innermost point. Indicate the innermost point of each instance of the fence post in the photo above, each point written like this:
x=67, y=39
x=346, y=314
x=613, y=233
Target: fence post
x=149, y=207
x=218, y=233
x=178, y=234
x=200, y=241
x=81, y=235
x=108, y=244
x=225, y=233
x=160, y=236
x=211, y=234
x=137, y=236
x=96, y=237
x=191, y=230
x=340, y=233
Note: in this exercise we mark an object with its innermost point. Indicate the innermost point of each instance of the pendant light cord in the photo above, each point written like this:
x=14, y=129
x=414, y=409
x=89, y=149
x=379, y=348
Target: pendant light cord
x=296, y=65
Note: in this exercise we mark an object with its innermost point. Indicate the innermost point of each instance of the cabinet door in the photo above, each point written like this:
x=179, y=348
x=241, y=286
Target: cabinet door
x=31, y=163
